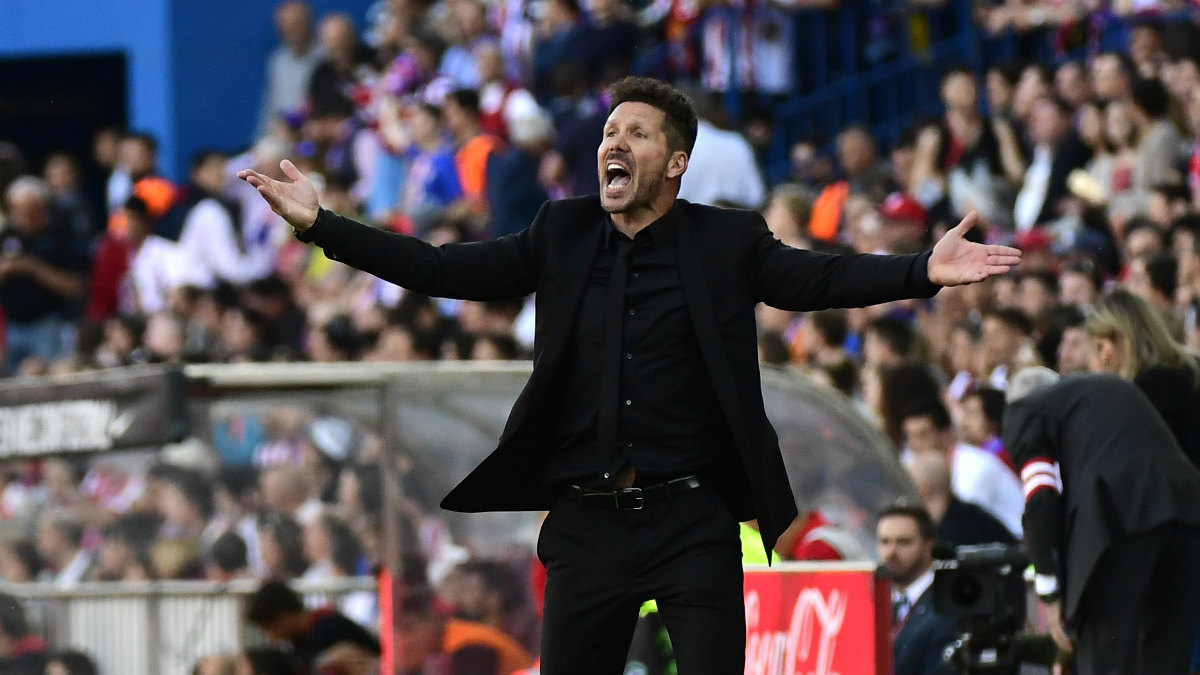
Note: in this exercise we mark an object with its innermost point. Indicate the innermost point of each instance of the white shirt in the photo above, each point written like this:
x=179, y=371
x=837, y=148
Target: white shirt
x=312, y=509
x=1032, y=196
x=209, y=250
x=979, y=477
x=151, y=276
x=913, y=592
x=722, y=167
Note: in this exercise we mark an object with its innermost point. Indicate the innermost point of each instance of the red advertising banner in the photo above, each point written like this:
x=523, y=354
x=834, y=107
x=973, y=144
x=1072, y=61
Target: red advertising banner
x=817, y=619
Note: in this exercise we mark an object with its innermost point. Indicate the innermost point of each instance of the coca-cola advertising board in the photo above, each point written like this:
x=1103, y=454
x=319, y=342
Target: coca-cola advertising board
x=817, y=619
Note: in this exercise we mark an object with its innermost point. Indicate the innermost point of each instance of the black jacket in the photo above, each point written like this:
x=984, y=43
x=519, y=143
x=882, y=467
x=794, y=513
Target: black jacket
x=728, y=261
x=920, y=646
x=1122, y=474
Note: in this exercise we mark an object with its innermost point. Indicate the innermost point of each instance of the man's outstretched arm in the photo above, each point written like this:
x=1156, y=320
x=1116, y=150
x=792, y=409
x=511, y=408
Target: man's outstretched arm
x=502, y=268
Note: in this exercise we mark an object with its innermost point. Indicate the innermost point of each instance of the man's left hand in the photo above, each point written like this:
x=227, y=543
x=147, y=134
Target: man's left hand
x=956, y=261
x=1058, y=630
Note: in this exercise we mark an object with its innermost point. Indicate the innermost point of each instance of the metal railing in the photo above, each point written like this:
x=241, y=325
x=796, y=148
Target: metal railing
x=157, y=628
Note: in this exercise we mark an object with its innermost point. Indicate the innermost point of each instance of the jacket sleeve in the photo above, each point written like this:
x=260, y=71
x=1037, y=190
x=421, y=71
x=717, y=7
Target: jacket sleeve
x=1036, y=456
x=799, y=280
x=501, y=268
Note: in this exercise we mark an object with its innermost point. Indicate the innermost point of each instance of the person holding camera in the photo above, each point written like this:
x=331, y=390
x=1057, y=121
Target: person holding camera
x=1112, y=522
x=904, y=538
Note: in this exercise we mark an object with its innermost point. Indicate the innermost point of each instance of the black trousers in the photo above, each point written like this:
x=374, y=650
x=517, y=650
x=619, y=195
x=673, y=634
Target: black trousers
x=602, y=565
x=1141, y=607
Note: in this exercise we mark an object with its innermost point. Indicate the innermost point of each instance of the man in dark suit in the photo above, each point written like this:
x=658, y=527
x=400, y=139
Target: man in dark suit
x=904, y=539
x=958, y=523
x=1112, y=520
x=642, y=427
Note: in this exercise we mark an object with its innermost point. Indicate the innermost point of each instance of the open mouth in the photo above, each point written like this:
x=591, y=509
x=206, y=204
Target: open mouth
x=617, y=175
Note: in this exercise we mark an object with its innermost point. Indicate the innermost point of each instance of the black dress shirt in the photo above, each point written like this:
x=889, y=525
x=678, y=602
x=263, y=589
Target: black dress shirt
x=668, y=419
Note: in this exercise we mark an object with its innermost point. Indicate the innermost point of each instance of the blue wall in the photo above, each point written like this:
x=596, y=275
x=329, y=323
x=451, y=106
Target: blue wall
x=195, y=68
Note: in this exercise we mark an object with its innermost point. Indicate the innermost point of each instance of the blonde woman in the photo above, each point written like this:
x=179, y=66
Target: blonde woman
x=1131, y=339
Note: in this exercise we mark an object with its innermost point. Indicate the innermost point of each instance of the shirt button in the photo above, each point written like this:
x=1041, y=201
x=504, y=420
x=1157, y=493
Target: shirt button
x=629, y=444
x=629, y=357
x=628, y=402
x=632, y=312
x=636, y=275
x=606, y=475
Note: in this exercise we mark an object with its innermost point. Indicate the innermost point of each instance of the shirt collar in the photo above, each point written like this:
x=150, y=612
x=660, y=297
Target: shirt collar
x=918, y=587
x=661, y=231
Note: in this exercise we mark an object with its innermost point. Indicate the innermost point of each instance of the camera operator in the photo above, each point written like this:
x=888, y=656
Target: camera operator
x=1112, y=520
x=904, y=537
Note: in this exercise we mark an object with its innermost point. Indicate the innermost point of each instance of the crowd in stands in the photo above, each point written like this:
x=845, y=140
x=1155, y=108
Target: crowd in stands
x=454, y=121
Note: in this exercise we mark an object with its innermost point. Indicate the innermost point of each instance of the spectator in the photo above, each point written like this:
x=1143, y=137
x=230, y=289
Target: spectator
x=491, y=593
x=958, y=523
x=978, y=175
x=982, y=420
x=1132, y=340
x=59, y=543
x=137, y=160
x=331, y=86
x=287, y=490
x=722, y=166
x=469, y=26
x=282, y=548
x=62, y=177
x=904, y=539
x=209, y=239
x=279, y=612
x=889, y=341
x=40, y=275
x=187, y=508
x=472, y=145
x=1112, y=76
x=978, y=476
x=425, y=636
x=19, y=561
x=1158, y=149
x=1057, y=152
x=1006, y=344
x=433, y=181
x=290, y=66
x=21, y=652
x=863, y=175
x=514, y=191
x=228, y=559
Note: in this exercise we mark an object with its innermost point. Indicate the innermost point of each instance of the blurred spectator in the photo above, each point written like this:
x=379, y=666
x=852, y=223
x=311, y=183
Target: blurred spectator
x=425, y=636
x=560, y=30
x=959, y=523
x=1006, y=345
x=1159, y=143
x=469, y=28
x=979, y=175
x=862, y=175
x=331, y=87
x=63, y=179
x=514, y=191
x=282, y=547
x=978, y=476
x=290, y=66
x=40, y=274
x=288, y=490
x=71, y=662
x=137, y=159
x=19, y=561
x=982, y=420
x=21, y=652
x=176, y=559
x=492, y=593
x=1057, y=152
x=210, y=243
x=278, y=611
x=1131, y=339
x=472, y=145
x=722, y=167
x=433, y=182
x=60, y=544
x=1112, y=76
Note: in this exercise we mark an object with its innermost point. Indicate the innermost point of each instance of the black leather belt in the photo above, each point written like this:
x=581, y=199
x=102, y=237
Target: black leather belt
x=633, y=498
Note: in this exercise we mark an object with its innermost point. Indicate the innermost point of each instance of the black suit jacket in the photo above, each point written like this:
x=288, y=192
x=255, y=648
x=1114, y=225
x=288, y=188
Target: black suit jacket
x=920, y=646
x=967, y=524
x=1122, y=473
x=728, y=261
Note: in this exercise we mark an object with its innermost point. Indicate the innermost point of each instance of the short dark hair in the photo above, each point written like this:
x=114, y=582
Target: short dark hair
x=927, y=407
x=147, y=140
x=956, y=69
x=1047, y=279
x=195, y=489
x=137, y=206
x=272, y=600
x=679, y=117
x=992, y=401
x=1088, y=269
x=1163, y=270
x=228, y=552
x=467, y=99
x=896, y=333
x=1013, y=318
x=12, y=617
x=202, y=157
x=924, y=522
x=833, y=325
x=1151, y=97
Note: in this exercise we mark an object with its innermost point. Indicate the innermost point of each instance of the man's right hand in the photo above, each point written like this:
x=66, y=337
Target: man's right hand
x=295, y=200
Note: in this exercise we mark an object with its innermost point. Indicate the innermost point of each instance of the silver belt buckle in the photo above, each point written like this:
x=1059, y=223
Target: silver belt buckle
x=633, y=492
